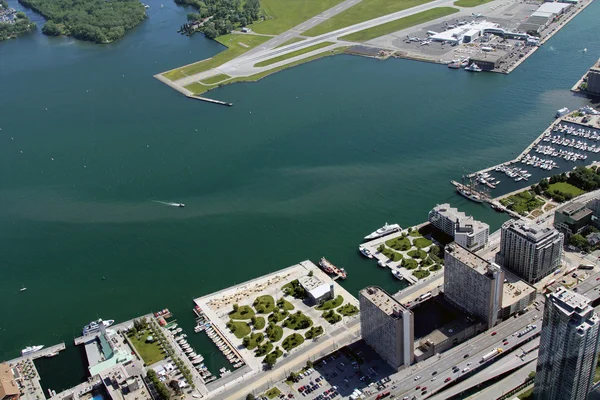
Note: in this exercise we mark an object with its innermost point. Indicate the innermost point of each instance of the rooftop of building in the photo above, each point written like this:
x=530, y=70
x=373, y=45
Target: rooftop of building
x=383, y=300
x=514, y=289
x=470, y=259
x=490, y=57
x=463, y=219
x=310, y=283
x=572, y=300
x=532, y=232
x=553, y=7
x=8, y=386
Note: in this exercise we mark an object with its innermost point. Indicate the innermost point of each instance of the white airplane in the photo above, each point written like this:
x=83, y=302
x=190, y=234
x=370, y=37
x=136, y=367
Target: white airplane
x=476, y=15
x=413, y=39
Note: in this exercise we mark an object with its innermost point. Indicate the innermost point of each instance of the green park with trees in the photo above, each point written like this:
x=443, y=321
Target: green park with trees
x=95, y=21
x=19, y=26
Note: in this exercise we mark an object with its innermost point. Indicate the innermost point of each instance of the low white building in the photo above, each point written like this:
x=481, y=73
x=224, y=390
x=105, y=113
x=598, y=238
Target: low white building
x=317, y=290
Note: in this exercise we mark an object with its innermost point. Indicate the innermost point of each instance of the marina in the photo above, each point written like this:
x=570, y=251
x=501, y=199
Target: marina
x=572, y=139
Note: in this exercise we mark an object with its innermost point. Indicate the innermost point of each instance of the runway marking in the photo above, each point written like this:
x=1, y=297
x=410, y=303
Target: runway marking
x=338, y=9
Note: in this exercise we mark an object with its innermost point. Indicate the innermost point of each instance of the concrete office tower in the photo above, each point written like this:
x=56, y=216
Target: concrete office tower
x=568, y=348
x=529, y=251
x=387, y=326
x=466, y=231
x=473, y=284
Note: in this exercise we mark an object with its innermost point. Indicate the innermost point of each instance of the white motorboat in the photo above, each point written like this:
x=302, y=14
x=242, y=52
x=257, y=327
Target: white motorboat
x=94, y=326
x=365, y=252
x=31, y=349
x=383, y=231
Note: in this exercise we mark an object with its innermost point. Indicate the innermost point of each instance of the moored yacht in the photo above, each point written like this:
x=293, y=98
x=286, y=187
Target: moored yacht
x=94, y=326
x=31, y=349
x=383, y=231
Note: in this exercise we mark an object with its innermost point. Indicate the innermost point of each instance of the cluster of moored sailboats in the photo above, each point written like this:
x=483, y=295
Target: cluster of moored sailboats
x=565, y=154
x=486, y=179
x=518, y=174
x=538, y=162
x=579, y=132
x=224, y=347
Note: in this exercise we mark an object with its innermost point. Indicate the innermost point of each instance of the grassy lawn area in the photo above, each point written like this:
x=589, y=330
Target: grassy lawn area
x=565, y=188
x=232, y=41
x=291, y=41
x=363, y=11
x=331, y=316
x=409, y=263
x=258, y=322
x=274, y=332
x=421, y=243
x=470, y=3
x=297, y=321
x=292, y=54
x=293, y=340
x=421, y=273
x=414, y=233
x=281, y=15
x=313, y=332
x=389, y=253
x=285, y=305
x=272, y=393
x=239, y=328
x=253, y=340
x=399, y=24
x=417, y=253
x=242, y=312
x=264, y=304
x=527, y=395
x=435, y=267
x=272, y=357
x=198, y=88
x=263, y=349
x=400, y=243
x=215, y=79
x=150, y=352
x=348, y=310
x=277, y=316
x=333, y=303
x=522, y=202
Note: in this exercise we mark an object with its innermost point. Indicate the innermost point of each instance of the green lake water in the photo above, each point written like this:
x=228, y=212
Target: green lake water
x=306, y=163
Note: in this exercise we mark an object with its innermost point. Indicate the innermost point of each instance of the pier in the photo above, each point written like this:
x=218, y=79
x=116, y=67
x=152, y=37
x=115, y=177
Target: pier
x=223, y=103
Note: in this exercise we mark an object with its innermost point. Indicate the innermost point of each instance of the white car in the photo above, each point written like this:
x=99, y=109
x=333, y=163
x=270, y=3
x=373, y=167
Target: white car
x=466, y=369
x=417, y=377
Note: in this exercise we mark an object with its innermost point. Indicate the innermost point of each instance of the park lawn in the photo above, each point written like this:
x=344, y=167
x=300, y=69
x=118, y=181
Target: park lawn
x=565, y=188
x=470, y=3
x=291, y=41
x=313, y=332
x=272, y=393
x=293, y=340
x=259, y=323
x=362, y=11
x=150, y=352
x=399, y=24
x=400, y=243
x=239, y=328
x=418, y=253
x=274, y=333
x=409, y=263
x=234, y=49
x=333, y=303
x=264, y=304
x=263, y=349
x=286, y=305
x=389, y=253
x=421, y=243
x=278, y=315
x=198, y=88
x=215, y=79
x=281, y=15
x=243, y=312
x=522, y=202
x=253, y=340
x=297, y=321
x=293, y=54
x=348, y=310
x=421, y=273
x=331, y=316
x=435, y=267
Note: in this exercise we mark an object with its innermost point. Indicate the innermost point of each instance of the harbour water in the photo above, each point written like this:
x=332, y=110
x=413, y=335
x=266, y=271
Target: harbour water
x=305, y=164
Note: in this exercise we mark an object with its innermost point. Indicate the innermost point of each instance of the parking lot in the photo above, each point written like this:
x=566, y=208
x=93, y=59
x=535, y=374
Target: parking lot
x=342, y=373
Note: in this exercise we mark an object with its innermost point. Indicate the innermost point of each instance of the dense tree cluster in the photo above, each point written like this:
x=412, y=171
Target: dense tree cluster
x=96, y=21
x=21, y=25
x=160, y=387
x=225, y=15
x=586, y=179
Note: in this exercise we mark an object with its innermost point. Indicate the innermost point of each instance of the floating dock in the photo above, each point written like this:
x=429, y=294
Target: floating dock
x=223, y=103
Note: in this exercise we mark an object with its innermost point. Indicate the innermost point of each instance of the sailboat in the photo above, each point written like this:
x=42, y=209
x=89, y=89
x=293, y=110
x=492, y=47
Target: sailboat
x=23, y=288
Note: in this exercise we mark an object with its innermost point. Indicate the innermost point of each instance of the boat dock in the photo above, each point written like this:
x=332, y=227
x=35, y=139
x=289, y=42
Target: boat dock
x=57, y=348
x=223, y=103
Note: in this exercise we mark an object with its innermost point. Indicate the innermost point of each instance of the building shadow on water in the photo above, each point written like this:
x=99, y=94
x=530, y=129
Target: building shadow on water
x=69, y=368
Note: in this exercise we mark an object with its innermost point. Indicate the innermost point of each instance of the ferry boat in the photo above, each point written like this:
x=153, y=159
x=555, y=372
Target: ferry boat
x=94, y=326
x=328, y=267
x=473, y=68
x=454, y=65
x=31, y=349
x=365, y=252
x=383, y=231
